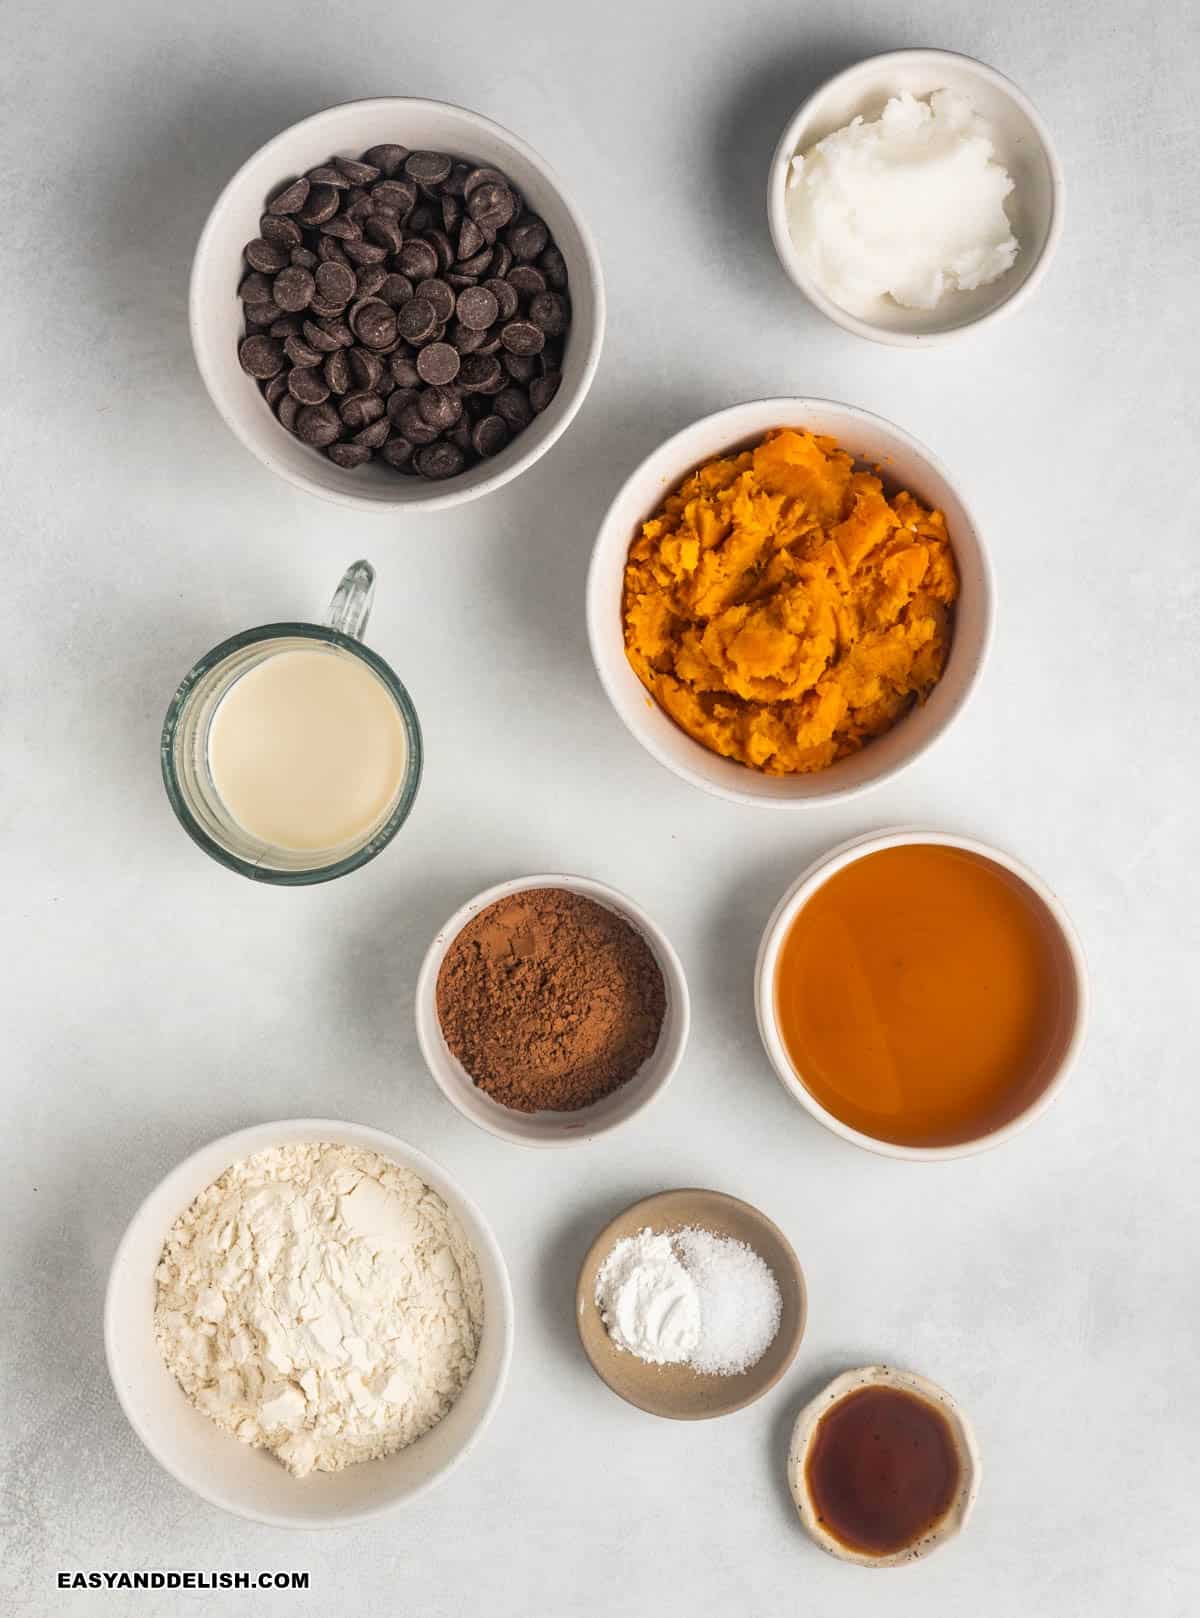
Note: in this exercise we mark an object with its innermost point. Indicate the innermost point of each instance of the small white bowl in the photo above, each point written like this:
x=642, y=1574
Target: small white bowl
x=1023, y=146
x=554, y=1128
x=1071, y=964
x=905, y=464
x=215, y=312
x=876, y=1376
x=215, y=1465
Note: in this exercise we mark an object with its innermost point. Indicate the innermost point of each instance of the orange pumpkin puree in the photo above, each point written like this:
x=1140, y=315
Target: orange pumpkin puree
x=920, y=995
x=783, y=610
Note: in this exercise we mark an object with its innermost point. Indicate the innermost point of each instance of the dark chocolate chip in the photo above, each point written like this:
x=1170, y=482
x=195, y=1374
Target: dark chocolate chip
x=397, y=451
x=275, y=389
x=477, y=308
x=336, y=282
x=437, y=461
x=255, y=287
x=522, y=337
x=480, y=374
x=375, y=435
x=543, y=388
x=439, y=294
x=366, y=368
x=307, y=385
x=373, y=322
x=337, y=371
x=414, y=427
x=323, y=202
x=548, y=311
x=491, y=205
x=465, y=339
x=438, y=364
x=318, y=424
x=319, y=338
x=285, y=326
x=326, y=174
x=398, y=195
x=442, y=246
x=386, y=158
x=287, y=410
x=554, y=267
x=501, y=260
x=479, y=265
x=360, y=409
x=416, y=320
x=262, y=314
x=261, y=357
x=470, y=239
x=385, y=230
x=266, y=256
x=396, y=289
x=527, y=279
x=451, y=213
x=428, y=168
x=482, y=176
x=293, y=288
x=339, y=330
x=330, y=251
x=505, y=295
x=521, y=367
x=349, y=455
x=513, y=404
x=357, y=173
x=490, y=435
x=343, y=228
x=304, y=258
x=302, y=353
x=455, y=184
x=372, y=278
x=365, y=252
x=291, y=199
x=404, y=372
x=417, y=259
x=280, y=232
x=440, y=407
x=527, y=238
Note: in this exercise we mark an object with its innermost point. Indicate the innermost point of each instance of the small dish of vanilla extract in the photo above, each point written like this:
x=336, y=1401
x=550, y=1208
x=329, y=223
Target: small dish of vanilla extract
x=883, y=1467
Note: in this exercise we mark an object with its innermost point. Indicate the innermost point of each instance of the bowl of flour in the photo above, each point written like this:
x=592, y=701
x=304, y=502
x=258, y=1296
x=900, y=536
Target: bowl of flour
x=308, y=1323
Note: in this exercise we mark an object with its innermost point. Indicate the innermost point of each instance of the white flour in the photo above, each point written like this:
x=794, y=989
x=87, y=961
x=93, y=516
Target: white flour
x=320, y=1302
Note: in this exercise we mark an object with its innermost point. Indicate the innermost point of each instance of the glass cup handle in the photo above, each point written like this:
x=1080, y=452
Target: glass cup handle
x=351, y=604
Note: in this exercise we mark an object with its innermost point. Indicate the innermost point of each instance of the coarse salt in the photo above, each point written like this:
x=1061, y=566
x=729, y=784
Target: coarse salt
x=689, y=1297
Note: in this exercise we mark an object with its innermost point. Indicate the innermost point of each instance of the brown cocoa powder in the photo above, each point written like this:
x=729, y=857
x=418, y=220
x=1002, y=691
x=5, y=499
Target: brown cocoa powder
x=550, y=1001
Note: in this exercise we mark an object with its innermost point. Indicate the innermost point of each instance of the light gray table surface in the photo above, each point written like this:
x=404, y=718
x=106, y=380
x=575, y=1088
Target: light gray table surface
x=153, y=1001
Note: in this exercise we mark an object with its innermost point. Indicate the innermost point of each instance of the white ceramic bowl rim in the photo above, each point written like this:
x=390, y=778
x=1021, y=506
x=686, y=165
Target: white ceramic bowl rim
x=814, y=877
x=781, y=235
x=782, y=412
x=244, y=1143
x=965, y=1442
x=437, y=496
x=562, y=1129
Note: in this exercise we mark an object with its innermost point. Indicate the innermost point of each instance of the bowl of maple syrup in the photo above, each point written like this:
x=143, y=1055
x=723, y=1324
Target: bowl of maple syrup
x=923, y=995
x=883, y=1467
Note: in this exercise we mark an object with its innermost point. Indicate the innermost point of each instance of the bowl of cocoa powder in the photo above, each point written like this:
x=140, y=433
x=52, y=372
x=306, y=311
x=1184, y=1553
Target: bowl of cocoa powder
x=551, y=1009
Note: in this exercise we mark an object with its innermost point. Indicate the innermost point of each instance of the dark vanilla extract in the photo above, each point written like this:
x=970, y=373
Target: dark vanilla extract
x=883, y=1470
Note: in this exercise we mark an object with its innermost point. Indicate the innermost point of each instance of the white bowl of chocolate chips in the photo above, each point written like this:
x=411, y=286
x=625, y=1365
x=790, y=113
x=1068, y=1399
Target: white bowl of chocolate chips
x=394, y=303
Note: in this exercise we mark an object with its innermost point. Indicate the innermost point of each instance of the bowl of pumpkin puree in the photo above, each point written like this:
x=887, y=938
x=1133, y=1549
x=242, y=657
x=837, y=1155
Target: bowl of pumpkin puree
x=789, y=601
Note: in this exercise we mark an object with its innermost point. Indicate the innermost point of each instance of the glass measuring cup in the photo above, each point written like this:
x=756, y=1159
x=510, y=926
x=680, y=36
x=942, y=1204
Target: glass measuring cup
x=185, y=746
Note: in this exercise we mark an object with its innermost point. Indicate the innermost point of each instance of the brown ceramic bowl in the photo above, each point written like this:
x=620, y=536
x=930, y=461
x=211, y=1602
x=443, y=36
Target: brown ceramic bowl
x=677, y=1391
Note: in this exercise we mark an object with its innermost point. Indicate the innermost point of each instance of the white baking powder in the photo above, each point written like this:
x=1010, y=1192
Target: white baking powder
x=908, y=207
x=690, y=1296
x=320, y=1302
